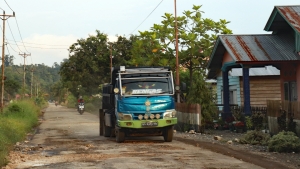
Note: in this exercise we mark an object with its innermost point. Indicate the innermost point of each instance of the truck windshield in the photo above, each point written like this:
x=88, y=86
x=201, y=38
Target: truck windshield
x=151, y=86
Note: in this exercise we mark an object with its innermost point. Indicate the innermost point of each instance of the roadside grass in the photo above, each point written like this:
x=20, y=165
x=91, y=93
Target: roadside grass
x=16, y=120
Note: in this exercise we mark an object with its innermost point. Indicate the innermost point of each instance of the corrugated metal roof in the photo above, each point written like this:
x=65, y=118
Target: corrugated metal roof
x=291, y=14
x=265, y=71
x=260, y=47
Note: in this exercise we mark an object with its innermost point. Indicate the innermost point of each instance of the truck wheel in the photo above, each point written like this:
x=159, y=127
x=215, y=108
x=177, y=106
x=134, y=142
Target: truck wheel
x=120, y=136
x=106, y=130
x=168, y=134
x=101, y=122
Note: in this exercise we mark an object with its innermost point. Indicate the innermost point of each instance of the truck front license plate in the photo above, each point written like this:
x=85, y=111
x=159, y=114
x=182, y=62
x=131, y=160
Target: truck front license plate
x=149, y=124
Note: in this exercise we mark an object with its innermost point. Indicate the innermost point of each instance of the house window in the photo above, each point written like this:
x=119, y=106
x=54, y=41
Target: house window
x=232, y=96
x=290, y=91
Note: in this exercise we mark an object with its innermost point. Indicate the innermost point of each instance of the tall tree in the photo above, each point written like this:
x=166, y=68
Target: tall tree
x=196, y=37
x=8, y=60
x=88, y=65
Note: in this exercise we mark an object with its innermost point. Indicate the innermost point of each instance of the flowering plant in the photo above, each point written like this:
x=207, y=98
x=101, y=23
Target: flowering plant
x=239, y=124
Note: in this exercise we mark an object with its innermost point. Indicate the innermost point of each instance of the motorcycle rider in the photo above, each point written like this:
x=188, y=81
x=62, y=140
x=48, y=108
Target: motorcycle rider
x=80, y=100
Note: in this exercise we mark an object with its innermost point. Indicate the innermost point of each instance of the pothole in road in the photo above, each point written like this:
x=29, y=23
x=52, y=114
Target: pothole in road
x=67, y=152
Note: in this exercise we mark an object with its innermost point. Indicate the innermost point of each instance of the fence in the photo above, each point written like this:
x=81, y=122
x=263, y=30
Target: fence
x=188, y=117
x=276, y=110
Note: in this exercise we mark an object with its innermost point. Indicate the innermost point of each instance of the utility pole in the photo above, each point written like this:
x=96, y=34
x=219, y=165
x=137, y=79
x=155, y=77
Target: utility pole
x=111, y=57
x=177, y=87
x=24, y=55
x=31, y=82
x=3, y=17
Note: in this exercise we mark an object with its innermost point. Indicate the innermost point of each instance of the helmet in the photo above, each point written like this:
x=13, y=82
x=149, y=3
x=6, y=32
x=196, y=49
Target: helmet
x=80, y=97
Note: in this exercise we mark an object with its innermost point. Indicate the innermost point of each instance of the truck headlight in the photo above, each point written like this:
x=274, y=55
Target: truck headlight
x=157, y=116
x=125, y=116
x=146, y=116
x=170, y=113
x=152, y=116
x=140, y=117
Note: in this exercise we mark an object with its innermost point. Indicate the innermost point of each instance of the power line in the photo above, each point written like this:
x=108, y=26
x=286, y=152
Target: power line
x=41, y=47
x=12, y=64
x=13, y=35
x=20, y=33
x=40, y=44
x=146, y=17
x=11, y=47
x=8, y=6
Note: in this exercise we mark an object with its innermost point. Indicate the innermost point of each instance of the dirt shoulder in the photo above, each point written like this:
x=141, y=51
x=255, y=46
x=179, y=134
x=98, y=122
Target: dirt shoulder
x=229, y=146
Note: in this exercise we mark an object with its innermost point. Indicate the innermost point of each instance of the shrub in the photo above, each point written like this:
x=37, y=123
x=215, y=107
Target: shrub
x=249, y=123
x=255, y=138
x=14, y=108
x=257, y=120
x=16, y=121
x=90, y=107
x=284, y=141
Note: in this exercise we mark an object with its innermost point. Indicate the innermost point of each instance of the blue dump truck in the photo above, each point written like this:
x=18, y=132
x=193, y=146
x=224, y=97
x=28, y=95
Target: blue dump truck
x=139, y=101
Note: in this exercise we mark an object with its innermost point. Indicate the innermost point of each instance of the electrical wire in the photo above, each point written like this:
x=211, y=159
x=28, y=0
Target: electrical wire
x=14, y=57
x=12, y=48
x=20, y=33
x=13, y=36
x=146, y=17
x=8, y=6
x=43, y=47
x=39, y=44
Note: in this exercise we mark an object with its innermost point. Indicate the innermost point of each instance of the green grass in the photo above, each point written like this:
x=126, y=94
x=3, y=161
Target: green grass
x=16, y=120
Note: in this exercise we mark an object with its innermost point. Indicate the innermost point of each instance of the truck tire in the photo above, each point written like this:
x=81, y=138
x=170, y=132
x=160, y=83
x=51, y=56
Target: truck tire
x=101, y=122
x=106, y=130
x=168, y=134
x=120, y=136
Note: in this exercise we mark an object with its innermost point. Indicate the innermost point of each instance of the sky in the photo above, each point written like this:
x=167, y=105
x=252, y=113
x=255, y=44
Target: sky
x=43, y=30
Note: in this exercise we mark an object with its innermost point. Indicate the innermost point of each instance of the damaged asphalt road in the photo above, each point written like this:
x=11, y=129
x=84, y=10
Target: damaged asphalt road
x=66, y=139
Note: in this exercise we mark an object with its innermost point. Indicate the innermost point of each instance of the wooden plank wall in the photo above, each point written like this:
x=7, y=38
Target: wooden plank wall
x=233, y=81
x=262, y=88
x=188, y=115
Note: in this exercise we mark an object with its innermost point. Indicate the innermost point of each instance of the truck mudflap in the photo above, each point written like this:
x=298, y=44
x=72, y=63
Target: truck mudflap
x=139, y=124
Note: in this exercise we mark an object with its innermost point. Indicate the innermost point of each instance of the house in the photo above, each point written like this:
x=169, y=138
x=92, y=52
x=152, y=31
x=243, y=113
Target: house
x=264, y=81
x=280, y=49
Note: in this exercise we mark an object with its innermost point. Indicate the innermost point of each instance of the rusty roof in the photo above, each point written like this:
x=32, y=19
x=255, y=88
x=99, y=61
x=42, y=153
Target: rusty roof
x=252, y=48
x=289, y=14
x=260, y=47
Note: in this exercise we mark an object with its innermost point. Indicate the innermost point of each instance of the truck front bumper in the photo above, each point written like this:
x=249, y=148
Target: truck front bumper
x=147, y=123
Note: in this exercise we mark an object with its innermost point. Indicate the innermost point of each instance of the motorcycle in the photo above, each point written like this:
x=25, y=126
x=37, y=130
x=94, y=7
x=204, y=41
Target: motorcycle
x=81, y=108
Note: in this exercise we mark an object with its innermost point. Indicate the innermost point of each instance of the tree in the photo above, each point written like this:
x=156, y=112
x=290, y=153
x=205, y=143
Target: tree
x=201, y=95
x=8, y=60
x=88, y=65
x=196, y=37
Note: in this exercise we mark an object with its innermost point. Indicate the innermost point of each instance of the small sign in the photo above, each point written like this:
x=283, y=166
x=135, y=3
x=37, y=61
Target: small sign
x=149, y=124
x=146, y=91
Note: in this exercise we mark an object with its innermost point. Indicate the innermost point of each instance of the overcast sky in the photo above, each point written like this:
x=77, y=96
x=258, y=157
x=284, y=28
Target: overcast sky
x=49, y=27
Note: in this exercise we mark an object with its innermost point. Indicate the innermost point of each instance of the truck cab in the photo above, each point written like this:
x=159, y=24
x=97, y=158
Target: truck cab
x=139, y=101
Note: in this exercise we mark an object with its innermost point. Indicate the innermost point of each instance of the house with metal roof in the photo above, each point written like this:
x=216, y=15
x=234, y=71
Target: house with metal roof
x=280, y=49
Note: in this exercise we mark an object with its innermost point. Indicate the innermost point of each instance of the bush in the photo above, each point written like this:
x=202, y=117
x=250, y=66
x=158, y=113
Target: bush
x=284, y=141
x=257, y=120
x=90, y=107
x=255, y=138
x=16, y=121
x=249, y=123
